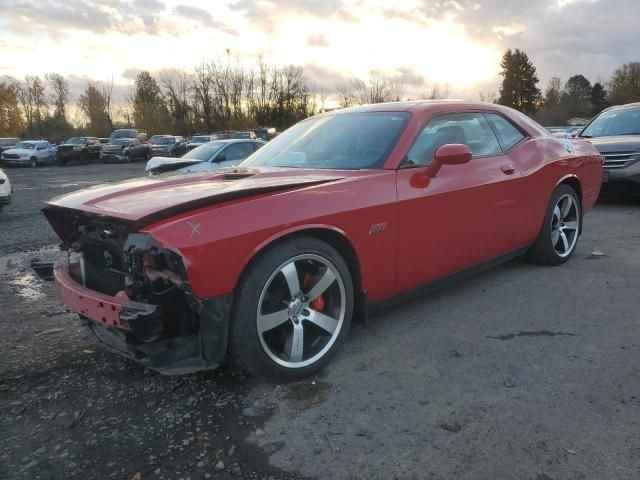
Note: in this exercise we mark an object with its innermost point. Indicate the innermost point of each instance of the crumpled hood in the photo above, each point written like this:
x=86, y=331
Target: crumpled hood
x=151, y=198
x=620, y=143
x=166, y=164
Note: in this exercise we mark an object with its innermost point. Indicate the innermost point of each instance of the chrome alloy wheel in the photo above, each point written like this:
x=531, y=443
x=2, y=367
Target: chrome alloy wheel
x=565, y=223
x=301, y=311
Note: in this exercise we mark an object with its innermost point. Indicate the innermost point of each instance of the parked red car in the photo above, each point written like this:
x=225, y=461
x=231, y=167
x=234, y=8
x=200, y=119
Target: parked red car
x=342, y=213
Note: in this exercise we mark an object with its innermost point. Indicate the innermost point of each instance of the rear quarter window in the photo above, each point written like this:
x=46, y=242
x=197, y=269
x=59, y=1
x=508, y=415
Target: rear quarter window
x=508, y=134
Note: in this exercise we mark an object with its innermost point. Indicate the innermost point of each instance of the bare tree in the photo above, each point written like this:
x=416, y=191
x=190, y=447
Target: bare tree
x=94, y=105
x=32, y=98
x=346, y=95
x=437, y=92
x=488, y=97
x=177, y=86
x=375, y=89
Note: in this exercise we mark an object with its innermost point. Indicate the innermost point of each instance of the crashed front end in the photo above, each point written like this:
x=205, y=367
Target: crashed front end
x=136, y=295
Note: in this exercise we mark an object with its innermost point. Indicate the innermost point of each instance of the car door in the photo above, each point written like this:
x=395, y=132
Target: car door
x=135, y=150
x=93, y=148
x=52, y=153
x=463, y=216
x=41, y=152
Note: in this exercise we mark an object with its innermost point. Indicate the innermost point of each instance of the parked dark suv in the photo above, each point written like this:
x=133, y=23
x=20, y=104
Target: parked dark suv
x=83, y=149
x=615, y=132
x=136, y=133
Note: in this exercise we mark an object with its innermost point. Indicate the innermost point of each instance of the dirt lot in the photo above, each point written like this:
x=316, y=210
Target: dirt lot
x=524, y=372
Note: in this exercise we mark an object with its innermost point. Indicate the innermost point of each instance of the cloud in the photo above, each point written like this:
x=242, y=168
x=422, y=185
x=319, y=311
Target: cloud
x=194, y=13
x=408, y=76
x=258, y=8
x=203, y=17
x=55, y=18
x=509, y=30
x=317, y=41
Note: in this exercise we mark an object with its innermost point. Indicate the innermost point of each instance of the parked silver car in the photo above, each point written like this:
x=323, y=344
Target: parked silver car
x=210, y=156
x=615, y=132
x=32, y=153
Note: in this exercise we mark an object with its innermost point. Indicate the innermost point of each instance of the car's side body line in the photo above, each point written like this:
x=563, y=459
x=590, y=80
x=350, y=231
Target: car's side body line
x=430, y=287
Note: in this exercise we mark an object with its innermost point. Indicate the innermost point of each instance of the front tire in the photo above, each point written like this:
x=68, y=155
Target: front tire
x=33, y=162
x=292, y=310
x=558, y=237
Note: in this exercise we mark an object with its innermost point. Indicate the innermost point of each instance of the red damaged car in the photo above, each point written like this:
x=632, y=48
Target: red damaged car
x=343, y=213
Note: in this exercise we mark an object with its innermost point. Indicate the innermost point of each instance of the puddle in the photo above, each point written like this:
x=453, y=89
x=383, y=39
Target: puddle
x=28, y=287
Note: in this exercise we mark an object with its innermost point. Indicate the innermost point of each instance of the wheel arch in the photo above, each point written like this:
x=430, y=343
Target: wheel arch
x=574, y=182
x=332, y=235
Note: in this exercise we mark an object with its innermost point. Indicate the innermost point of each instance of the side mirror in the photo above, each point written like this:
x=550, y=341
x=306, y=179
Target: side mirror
x=450, y=154
x=220, y=158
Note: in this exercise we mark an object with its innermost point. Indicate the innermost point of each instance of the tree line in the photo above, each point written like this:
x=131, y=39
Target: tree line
x=577, y=97
x=216, y=95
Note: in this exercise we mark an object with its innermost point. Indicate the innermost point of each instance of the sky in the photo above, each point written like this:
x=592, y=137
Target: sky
x=457, y=43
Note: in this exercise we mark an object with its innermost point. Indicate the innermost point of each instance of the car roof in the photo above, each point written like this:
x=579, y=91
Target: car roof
x=623, y=107
x=237, y=140
x=419, y=106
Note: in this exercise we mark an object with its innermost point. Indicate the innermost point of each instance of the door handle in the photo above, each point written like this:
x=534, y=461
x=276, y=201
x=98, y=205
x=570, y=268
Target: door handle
x=508, y=168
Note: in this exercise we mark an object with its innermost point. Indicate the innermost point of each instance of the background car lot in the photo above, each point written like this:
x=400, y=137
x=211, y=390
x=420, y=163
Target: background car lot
x=522, y=372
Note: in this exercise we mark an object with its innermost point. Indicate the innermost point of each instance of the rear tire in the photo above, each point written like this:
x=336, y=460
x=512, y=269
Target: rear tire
x=276, y=330
x=558, y=237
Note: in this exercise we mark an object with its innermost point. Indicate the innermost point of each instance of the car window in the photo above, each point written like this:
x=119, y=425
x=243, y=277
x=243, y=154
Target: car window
x=41, y=146
x=257, y=145
x=471, y=129
x=508, y=134
x=134, y=142
x=238, y=151
x=625, y=121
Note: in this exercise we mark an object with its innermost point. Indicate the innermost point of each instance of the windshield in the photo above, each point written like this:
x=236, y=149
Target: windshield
x=25, y=145
x=123, y=134
x=76, y=141
x=624, y=121
x=165, y=141
x=204, y=152
x=200, y=139
x=349, y=141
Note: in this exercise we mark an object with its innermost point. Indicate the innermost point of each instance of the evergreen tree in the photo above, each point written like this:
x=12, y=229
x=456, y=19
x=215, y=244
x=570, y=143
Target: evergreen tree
x=519, y=86
x=598, y=98
x=577, y=96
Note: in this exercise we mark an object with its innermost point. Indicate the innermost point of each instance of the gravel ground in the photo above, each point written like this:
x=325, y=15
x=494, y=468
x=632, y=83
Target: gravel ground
x=523, y=372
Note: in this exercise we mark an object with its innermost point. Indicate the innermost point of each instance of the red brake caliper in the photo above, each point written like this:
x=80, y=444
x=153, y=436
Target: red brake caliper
x=318, y=303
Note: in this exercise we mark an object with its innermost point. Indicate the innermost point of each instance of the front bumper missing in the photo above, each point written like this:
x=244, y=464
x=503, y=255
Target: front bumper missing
x=118, y=323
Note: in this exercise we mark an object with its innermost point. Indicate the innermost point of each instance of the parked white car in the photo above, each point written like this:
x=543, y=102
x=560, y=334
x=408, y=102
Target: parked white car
x=209, y=156
x=30, y=153
x=5, y=190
